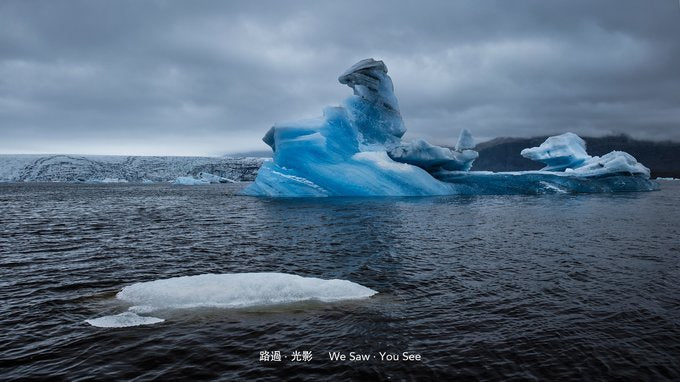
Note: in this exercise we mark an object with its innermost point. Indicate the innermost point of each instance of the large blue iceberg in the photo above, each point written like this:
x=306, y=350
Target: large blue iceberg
x=356, y=149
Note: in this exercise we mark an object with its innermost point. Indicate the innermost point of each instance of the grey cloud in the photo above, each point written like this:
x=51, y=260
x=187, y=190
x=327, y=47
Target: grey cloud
x=171, y=77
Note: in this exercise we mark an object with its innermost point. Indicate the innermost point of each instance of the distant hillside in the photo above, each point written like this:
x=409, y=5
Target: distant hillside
x=502, y=154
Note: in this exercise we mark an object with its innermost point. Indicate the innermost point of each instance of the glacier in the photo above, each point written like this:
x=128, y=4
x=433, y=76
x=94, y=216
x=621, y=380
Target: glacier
x=356, y=149
x=122, y=169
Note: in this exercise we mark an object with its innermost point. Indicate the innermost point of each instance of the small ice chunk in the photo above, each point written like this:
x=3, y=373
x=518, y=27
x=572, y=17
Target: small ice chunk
x=190, y=181
x=211, y=178
x=560, y=152
x=123, y=320
x=203, y=178
x=114, y=180
x=106, y=180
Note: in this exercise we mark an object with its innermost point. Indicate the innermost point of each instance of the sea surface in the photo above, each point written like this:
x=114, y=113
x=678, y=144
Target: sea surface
x=551, y=287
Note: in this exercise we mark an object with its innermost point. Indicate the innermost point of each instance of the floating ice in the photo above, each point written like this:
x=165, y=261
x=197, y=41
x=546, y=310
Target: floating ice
x=235, y=290
x=559, y=152
x=211, y=178
x=203, y=178
x=113, y=180
x=356, y=150
x=567, y=152
x=616, y=162
x=123, y=320
x=189, y=181
x=230, y=290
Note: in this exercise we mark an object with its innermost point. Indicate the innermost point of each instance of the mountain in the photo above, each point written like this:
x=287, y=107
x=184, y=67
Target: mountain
x=502, y=154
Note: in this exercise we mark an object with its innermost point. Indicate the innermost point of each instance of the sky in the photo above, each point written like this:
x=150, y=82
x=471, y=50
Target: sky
x=211, y=77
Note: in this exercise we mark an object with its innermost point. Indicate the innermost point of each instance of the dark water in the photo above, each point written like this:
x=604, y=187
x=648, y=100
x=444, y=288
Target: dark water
x=547, y=287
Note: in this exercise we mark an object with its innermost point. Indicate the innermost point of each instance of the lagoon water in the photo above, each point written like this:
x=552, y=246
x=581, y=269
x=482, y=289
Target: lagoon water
x=551, y=287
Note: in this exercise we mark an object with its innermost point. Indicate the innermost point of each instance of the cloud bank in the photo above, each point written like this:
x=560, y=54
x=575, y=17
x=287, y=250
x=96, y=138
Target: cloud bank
x=210, y=77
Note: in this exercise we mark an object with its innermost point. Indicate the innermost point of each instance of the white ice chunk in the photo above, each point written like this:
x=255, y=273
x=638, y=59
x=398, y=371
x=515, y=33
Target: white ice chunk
x=123, y=320
x=113, y=180
x=190, y=181
x=203, y=178
x=563, y=151
x=234, y=290
x=211, y=178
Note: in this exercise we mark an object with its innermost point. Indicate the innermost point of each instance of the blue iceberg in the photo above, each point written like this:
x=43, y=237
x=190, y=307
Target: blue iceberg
x=356, y=149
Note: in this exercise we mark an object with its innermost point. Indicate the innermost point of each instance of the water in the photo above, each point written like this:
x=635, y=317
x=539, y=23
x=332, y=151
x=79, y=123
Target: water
x=552, y=287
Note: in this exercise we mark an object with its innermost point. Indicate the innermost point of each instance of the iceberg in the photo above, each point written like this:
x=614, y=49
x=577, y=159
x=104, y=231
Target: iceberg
x=226, y=290
x=237, y=290
x=356, y=149
x=559, y=152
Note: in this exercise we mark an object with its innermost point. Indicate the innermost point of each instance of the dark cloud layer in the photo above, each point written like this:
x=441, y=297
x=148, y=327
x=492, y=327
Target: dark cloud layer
x=209, y=77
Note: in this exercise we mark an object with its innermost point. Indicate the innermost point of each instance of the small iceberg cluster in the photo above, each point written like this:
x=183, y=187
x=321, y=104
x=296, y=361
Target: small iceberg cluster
x=230, y=290
x=567, y=152
x=356, y=149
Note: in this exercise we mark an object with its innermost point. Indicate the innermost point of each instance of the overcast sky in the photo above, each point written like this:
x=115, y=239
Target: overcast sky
x=208, y=78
